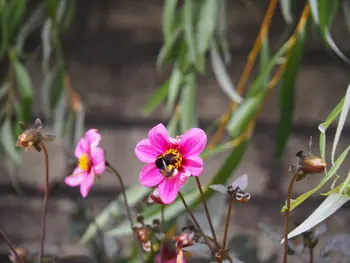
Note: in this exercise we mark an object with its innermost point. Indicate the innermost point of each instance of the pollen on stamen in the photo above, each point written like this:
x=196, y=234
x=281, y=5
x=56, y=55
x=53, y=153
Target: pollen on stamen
x=84, y=162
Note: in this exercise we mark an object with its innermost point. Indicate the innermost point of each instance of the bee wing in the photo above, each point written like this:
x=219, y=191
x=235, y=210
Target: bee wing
x=241, y=182
x=219, y=188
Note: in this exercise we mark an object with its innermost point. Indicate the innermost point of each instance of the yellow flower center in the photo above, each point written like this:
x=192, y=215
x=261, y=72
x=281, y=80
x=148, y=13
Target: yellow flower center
x=173, y=157
x=84, y=162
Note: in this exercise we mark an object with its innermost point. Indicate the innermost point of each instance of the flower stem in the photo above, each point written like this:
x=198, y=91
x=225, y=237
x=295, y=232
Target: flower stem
x=227, y=223
x=311, y=255
x=206, y=208
x=9, y=244
x=286, y=222
x=162, y=230
x=127, y=209
x=46, y=202
x=196, y=223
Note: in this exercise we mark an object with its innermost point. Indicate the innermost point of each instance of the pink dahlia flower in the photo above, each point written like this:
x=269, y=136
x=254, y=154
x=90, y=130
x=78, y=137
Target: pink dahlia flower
x=169, y=161
x=91, y=162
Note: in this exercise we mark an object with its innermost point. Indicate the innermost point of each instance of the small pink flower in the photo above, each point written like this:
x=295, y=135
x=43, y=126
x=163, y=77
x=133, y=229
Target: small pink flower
x=91, y=162
x=169, y=161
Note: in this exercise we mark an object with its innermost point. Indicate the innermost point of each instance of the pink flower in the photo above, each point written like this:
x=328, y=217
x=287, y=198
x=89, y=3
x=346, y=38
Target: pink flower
x=91, y=162
x=169, y=161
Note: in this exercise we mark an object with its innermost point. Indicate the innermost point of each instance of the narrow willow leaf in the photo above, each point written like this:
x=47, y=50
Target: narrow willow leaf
x=79, y=125
x=172, y=126
x=264, y=58
x=4, y=90
x=60, y=115
x=34, y=20
x=243, y=115
x=296, y=202
x=346, y=12
x=168, y=19
x=222, y=31
x=341, y=122
x=328, y=207
x=286, y=6
x=314, y=10
x=174, y=87
x=157, y=98
x=206, y=24
x=45, y=90
x=188, y=103
x=287, y=93
x=258, y=84
x=324, y=125
x=222, y=76
x=46, y=43
x=25, y=89
x=8, y=142
x=169, y=48
x=189, y=21
x=113, y=210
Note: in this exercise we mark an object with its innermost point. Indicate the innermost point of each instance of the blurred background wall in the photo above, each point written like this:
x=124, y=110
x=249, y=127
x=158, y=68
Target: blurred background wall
x=111, y=50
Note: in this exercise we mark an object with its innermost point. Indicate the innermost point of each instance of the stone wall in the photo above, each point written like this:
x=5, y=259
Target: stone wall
x=112, y=51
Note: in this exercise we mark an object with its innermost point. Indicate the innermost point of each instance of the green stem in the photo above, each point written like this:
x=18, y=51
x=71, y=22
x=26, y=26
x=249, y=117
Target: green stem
x=139, y=250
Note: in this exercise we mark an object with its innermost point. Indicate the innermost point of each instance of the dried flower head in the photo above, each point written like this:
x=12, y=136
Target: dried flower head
x=32, y=136
x=170, y=161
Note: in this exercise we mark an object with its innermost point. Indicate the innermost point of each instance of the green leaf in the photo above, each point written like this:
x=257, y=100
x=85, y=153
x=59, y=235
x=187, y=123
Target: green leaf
x=26, y=90
x=58, y=84
x=174, y=87
x=287, y=93
x=45, y=90
x=188, y=103
x=169, y=12
x=205, y=28
x=189, y=21
x=46, y=43
x=157, y=98
x=243, y=115
x=324, y=125
x=172, y=126
x=222, y=31
x=346, y=13
x=286, y=10
x=112, y=211
x=170, y=48
x=328, y=207
x=264, y=58
x=296, y=202
x=341, y=122
x=222, y=76
x=8, y=142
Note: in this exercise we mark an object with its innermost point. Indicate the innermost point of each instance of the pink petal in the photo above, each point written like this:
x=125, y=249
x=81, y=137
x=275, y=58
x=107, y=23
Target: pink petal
x=92, y=138
x=184, y=175
x=168, y=189
x=76, y=178
x=87, y=184
x=159, y=137
x=98, y=159
x=150, y=175
x=146, y=152
x=193, y=142
x=183, y=179
x=81, y=148
x=194, y=164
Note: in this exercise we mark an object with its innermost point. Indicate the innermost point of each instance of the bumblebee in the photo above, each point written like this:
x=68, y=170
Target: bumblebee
x=168, y=163
x=238, y=194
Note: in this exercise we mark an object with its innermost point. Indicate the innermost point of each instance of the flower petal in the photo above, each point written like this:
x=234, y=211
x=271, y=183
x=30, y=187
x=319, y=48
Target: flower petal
x=98, y=159
x=168, y=189
x=184, y=175
x=194, y=164
x=193, y=142
x=76, y=178
x=92, y=138
x=150, y=175
x=82, y=148
x=159, y=137
x=146, y=152
x=87, y=184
